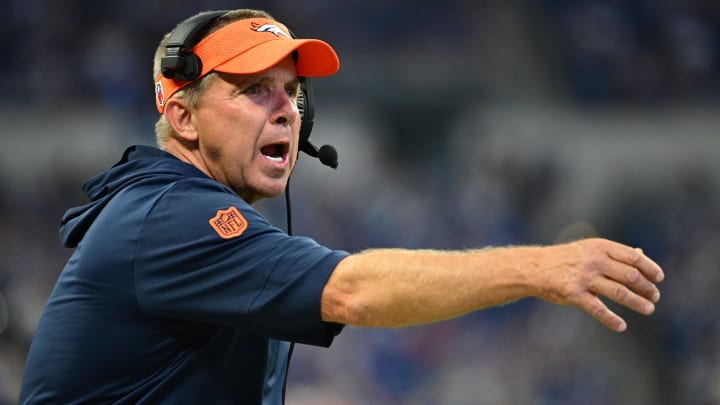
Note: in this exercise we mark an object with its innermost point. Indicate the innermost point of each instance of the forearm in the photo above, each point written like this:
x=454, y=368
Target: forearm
x=396, y=287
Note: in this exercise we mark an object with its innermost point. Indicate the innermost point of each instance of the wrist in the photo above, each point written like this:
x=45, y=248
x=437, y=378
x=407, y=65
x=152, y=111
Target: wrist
x=532, y=270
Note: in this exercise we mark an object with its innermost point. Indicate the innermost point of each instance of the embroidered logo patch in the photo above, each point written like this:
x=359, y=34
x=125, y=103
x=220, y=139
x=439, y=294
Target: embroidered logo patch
x=228, y=223
x=159, y=94
x=272, y=28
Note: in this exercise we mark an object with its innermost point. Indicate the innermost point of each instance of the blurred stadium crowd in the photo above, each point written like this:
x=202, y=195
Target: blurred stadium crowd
x=459, y=124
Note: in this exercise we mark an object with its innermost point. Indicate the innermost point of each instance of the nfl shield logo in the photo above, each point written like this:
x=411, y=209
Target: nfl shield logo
x=159, y=95
x=228, y=223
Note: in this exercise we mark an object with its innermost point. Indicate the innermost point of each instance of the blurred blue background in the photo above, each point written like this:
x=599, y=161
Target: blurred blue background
x=459, y=124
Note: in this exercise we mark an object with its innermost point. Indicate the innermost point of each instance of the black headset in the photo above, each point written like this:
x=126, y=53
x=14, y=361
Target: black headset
x=180, y=64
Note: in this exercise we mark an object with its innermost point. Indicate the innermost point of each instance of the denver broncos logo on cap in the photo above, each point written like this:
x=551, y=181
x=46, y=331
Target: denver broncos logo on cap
x=269, y=28
x=228, y=223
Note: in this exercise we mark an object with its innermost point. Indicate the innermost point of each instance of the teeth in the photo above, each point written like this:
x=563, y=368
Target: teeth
x=275, y=152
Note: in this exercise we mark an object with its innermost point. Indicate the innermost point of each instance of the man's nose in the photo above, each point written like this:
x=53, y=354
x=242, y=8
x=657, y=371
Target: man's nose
x=286, y=111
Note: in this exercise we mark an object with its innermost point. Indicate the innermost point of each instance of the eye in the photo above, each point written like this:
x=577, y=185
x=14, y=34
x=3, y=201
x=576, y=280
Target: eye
x=254, y=88
x=293, y=90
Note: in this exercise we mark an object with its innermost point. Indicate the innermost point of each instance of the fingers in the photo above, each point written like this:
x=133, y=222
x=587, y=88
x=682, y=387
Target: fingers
x=623, y=296
x=621, y=273
x=636, y=258
x=633, y=279
x=597, y=309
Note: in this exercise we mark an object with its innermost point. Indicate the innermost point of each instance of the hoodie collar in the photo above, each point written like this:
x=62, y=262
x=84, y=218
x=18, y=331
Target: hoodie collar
x=137, y=163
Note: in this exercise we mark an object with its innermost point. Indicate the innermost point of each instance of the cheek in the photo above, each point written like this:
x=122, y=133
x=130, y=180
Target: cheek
x=296, y=128
x=224, y=139
x=233, y=125
x=296, y=138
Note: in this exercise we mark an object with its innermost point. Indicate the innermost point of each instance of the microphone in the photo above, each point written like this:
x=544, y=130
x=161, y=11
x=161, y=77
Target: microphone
x=328, y=156
x=326, y=153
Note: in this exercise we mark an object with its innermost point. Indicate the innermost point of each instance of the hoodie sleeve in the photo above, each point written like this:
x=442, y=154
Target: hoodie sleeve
x=205, y=255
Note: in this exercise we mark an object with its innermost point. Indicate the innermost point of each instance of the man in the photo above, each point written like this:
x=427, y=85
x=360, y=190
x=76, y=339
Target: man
x=180, y=292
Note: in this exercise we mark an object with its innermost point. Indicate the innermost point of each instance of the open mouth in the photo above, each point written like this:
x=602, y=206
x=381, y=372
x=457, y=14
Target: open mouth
x=277, y=152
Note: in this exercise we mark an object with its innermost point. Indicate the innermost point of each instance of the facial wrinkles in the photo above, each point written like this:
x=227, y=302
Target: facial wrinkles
x=248, y=107
x=270, y=93
x=216, y=123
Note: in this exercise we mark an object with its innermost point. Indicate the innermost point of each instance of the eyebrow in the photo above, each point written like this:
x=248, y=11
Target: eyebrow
x=240, y=80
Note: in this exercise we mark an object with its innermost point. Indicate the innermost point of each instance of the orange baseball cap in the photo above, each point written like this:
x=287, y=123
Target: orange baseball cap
x=250, y=46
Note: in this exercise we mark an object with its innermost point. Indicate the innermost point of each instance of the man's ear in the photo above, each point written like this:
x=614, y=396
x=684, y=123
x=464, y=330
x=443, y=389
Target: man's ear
x=179, y=115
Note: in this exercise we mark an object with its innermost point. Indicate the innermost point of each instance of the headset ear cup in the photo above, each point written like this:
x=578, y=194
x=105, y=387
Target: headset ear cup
x=183, y=67
x=192, y=66
x=179, y=63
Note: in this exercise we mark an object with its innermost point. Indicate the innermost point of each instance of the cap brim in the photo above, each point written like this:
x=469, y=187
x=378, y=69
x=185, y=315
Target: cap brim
x=316, y=58
x=249, y=46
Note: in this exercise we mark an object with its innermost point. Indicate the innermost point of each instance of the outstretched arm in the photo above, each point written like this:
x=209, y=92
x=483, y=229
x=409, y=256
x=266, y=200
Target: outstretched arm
x=398, y=287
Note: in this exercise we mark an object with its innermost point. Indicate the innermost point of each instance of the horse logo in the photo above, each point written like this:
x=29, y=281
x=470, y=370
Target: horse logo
x=272, y=28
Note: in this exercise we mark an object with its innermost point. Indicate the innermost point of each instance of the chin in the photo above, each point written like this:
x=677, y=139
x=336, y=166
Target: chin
x=256, y=195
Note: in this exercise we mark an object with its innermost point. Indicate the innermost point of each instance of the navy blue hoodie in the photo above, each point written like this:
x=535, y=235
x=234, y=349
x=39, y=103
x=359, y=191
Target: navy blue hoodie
x=178, y=292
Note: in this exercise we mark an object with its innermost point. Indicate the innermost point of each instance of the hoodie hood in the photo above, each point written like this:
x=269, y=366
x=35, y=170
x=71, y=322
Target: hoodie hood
x=137, y=163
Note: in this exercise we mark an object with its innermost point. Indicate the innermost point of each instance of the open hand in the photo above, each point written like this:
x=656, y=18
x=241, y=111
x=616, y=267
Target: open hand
x=578, y=273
